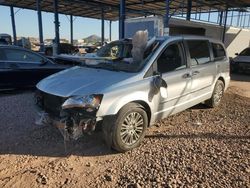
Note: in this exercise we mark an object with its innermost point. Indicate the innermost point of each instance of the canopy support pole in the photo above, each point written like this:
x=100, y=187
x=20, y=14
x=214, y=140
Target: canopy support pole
x=12, y=14
x=71, y=30
x=102, y=27
x=189, y=10
x=225, y=26
x=57, y=25
x=122, y=16
x=40, y=24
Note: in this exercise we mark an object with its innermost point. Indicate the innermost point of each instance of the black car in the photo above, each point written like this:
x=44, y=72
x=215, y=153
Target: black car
x=241, y=63
x=22, y=68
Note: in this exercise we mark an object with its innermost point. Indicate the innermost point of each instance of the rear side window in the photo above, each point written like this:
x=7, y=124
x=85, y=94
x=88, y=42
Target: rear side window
x=21, y=55
x=199, y=51
x=218, y=51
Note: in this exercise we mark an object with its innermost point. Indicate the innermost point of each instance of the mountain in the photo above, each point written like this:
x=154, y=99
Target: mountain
x=93, y=39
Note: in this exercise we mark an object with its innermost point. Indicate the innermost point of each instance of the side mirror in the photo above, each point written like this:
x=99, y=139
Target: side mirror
x=156, y=73
x=157, y=85
x=236, y=53
x=158, y=82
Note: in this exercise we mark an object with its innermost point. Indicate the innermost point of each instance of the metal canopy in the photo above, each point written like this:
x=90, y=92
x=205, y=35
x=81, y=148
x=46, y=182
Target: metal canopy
x=134, y=8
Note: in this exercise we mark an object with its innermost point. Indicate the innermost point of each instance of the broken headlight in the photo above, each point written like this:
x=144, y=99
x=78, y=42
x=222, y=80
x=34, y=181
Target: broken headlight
x=89, y=102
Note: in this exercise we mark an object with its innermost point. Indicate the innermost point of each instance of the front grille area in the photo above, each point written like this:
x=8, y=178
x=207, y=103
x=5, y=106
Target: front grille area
x=51, y=103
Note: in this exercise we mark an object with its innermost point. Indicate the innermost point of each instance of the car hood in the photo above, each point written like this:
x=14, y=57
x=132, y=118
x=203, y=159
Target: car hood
x=82, y=81
x=243, y=59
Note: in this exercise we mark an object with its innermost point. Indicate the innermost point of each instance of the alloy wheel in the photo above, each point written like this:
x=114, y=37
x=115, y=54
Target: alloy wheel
x=132, y=128
x=218, y=93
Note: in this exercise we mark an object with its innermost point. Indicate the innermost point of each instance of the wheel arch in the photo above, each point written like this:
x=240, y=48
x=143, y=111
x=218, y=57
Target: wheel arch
x=223, y=80
x=143, y=104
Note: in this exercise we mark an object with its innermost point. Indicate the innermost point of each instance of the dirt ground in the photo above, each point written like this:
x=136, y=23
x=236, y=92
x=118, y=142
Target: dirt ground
x=240, y=83
x=199, y=147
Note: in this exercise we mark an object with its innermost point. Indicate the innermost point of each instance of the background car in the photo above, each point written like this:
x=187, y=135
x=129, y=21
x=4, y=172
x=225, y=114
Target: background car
x=241, y=62
x=119, y=49
x=21, y=68
x=87, y=49
x=64, y=48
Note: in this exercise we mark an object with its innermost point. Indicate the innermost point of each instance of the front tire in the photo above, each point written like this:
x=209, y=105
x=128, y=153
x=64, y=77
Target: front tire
x=217, y=95
x=127, y=129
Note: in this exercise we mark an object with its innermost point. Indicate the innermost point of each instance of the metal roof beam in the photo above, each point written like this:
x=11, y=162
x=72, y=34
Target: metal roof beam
x=87, y=8
x=112, y=6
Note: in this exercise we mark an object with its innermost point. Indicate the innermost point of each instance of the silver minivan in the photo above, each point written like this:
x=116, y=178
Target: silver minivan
x=125, y=97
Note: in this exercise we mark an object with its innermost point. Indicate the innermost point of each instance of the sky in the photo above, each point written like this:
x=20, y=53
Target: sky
x=27, y=25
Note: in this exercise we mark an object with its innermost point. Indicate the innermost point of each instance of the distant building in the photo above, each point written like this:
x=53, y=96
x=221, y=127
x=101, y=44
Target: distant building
x=64, y=41
x=48, y=42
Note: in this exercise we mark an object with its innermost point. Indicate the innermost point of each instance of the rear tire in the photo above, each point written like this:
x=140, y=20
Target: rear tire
x=126, y=130
x=217, y=94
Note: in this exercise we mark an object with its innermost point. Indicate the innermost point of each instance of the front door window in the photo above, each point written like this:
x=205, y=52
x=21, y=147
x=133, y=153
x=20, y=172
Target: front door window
x=171, y=59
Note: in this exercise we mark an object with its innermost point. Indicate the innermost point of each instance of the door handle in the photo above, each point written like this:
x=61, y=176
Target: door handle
x=195, y=73
x=187, y=75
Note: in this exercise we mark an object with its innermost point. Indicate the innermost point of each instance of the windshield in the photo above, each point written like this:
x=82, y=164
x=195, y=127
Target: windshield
x=245, y=52
x=119, y=49
x=117, y=56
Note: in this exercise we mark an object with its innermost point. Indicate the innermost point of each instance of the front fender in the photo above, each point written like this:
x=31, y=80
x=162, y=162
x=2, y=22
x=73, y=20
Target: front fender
x=111, y=104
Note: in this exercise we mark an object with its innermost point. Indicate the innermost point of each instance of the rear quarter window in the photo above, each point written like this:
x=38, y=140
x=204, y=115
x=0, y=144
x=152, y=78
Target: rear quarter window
x=218, y=51
x=199, y=52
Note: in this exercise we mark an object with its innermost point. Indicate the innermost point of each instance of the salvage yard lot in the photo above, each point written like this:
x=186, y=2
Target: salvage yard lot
x=199, y=147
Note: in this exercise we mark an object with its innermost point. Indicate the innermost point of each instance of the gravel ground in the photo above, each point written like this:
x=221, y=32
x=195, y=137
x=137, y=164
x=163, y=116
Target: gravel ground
x=199, y=147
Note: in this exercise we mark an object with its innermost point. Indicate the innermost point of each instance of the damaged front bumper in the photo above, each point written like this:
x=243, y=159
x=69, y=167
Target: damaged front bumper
x=68, y=126
x=72, y=122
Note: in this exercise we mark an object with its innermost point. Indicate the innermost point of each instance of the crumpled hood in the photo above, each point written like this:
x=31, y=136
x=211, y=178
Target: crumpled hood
x=243, y=59
x=82, y=81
